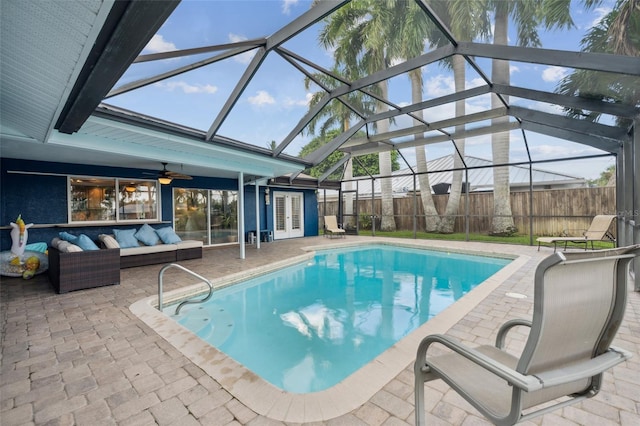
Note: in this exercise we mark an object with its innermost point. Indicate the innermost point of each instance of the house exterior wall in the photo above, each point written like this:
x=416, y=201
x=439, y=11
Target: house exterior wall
x=38, y=191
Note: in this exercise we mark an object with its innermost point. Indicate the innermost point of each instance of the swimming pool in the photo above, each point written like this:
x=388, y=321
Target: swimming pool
x=266, y=399
x=316, y=322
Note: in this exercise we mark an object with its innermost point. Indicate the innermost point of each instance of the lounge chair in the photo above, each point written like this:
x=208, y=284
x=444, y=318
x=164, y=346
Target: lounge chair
x=331, y=227
x=598, y=231
x=579, y=303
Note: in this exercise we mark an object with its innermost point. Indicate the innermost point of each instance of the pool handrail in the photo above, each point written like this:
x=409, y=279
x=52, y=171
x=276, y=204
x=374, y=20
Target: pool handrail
x=161, y=285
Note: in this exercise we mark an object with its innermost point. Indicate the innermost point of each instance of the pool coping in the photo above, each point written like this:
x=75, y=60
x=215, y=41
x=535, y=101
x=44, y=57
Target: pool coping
x=270, y=401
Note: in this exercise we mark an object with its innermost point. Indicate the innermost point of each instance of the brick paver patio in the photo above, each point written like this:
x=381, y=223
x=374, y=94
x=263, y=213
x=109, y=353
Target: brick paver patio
x=83, y=358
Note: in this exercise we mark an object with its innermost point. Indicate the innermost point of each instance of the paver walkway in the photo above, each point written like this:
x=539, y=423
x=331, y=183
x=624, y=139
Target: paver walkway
x=83, y=358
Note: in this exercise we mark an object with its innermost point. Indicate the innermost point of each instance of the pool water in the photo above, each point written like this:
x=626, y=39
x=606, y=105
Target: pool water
x=306, y=327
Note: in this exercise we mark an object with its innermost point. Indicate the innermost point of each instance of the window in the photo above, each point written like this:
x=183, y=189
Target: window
x=137, y=200
x=110, y=200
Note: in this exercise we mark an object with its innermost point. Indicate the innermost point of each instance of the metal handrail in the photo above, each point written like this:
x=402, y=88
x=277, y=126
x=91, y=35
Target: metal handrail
x=161, y=284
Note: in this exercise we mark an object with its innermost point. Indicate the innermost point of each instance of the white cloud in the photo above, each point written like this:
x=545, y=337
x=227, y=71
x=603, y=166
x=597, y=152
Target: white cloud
x=553, y=74
x=601, y=12
x=243, y=58
x=439, y=85
x=159, y=44
x=286, y=6
x=188, y=88
x=261, y=98
x=299, y=102
x=476, y=82
x=513, y=69
x=555, y=151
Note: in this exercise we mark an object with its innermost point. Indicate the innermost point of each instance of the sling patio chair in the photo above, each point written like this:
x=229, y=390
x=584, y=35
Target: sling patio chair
x=579, y=303
x=331, y=227
x=598, y=231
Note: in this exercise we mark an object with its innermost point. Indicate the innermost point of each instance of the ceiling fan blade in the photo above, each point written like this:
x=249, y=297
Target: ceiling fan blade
x=175, y=175
x=164, y=173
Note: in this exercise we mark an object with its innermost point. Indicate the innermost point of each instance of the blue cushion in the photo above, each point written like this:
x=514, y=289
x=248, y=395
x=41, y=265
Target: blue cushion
x=39, y=247
x=147, y=236
x=85, y=243
x=126, y=238
x=168, y=236
x=68, y=237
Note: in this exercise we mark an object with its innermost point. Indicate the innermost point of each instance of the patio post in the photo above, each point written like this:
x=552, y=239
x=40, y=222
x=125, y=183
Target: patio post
x=415, y=208
x=241, y=213
x=466, y=202
x=257, y=215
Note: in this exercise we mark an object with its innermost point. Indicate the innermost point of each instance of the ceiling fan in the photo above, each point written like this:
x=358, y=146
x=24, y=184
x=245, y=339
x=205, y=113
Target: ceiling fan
x=166, y=176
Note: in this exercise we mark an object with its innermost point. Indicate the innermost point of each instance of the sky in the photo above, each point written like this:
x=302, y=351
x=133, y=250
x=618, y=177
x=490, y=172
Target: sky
x=276, y=98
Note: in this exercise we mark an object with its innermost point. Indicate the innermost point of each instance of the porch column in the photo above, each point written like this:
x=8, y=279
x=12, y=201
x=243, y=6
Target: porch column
x=241, y=213
x=257, y=215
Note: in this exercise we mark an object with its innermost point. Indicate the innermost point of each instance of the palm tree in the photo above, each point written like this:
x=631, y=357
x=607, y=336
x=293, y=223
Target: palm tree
x=338, y=115
x=409, y=28
x=616, y=33
x=357, y=32
x=466, y=20
x=527, y=15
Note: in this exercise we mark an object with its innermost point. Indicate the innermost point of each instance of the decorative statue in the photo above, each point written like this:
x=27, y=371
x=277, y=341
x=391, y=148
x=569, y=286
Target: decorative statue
x=19, y=236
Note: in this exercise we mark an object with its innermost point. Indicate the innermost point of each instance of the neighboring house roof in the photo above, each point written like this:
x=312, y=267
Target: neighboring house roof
x=480, y=177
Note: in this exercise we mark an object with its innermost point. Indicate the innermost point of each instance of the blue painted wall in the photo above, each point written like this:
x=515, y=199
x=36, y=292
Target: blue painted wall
x=42, y=199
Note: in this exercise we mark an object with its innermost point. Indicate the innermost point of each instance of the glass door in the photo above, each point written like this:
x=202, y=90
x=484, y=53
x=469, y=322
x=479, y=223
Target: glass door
x=288, y=213
x=210, y=216
x=190, y=214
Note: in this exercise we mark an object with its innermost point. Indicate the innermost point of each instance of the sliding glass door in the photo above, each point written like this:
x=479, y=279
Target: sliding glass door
x=210, y=216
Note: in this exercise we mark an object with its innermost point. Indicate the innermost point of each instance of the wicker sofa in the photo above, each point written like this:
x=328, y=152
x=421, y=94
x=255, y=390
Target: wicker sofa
x=69, y=271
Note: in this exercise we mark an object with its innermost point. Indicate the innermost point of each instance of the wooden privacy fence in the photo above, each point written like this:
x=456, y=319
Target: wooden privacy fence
x=555, y=211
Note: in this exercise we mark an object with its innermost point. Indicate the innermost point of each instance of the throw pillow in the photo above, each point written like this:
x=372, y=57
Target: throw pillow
x=67, y=237
x=62, y=245
x=147, y=236
x=55, y=241
x=108, y=241
x=85, y=243
x=168, y=236
x=67, y=247
x=126, y=238
x=72, y=248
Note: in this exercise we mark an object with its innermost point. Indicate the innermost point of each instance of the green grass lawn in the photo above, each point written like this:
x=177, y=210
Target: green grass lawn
x=516, y=239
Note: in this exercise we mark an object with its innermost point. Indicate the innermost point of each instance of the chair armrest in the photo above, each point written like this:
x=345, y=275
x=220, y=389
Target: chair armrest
x=527, y=383
x=584, y=369
x=504, y=329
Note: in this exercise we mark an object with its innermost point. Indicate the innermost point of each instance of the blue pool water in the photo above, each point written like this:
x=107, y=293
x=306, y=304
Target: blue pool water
x=306, y=327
